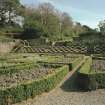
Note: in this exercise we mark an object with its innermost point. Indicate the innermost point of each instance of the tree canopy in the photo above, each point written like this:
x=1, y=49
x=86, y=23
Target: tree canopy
x=102, y=27
x=56, y=25
x=42, y=21
x=9, y=10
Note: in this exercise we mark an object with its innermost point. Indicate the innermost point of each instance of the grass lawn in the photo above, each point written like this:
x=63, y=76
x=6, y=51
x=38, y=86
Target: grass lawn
x=86, y=68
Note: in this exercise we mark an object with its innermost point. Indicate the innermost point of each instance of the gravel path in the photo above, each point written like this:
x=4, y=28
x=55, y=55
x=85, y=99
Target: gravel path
x=60, y=97
x=65, y=96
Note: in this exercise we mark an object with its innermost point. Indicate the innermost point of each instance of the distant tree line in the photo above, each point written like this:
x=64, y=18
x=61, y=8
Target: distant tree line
x=43, y=21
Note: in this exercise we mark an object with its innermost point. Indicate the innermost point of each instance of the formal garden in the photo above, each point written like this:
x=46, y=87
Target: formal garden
x=43, y=49
x=24, y=76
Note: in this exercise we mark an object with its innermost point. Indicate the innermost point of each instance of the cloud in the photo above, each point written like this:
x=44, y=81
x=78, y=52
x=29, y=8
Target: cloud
x=51, y=1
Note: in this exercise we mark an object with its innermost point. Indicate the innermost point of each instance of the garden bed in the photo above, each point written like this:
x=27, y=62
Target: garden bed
x=31, y=88
x=21, y=77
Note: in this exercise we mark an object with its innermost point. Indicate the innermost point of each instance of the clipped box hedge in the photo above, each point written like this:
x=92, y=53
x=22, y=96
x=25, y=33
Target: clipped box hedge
x=15, y=69
x=32, y=88
x=89, y=80
x=100, y=79
x=86, y=78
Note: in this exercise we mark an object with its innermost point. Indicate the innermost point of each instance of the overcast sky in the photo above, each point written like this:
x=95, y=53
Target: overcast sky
x=88, y=12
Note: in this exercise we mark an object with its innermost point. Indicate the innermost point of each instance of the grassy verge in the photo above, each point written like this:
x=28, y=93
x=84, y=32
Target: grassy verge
x=76, y=62
x=86, y=68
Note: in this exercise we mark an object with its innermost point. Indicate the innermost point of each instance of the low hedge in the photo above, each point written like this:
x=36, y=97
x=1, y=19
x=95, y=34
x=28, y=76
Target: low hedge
x=15, y=69
x=32, y=88
x=91, y=81
x=88, y=79
x=86, y=82
x=100, y=79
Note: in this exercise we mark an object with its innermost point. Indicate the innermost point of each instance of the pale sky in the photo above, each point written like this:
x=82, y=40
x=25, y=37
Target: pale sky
x=88, y=12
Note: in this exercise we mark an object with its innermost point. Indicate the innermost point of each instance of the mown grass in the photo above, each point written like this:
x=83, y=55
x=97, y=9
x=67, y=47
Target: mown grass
x=86, y=68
